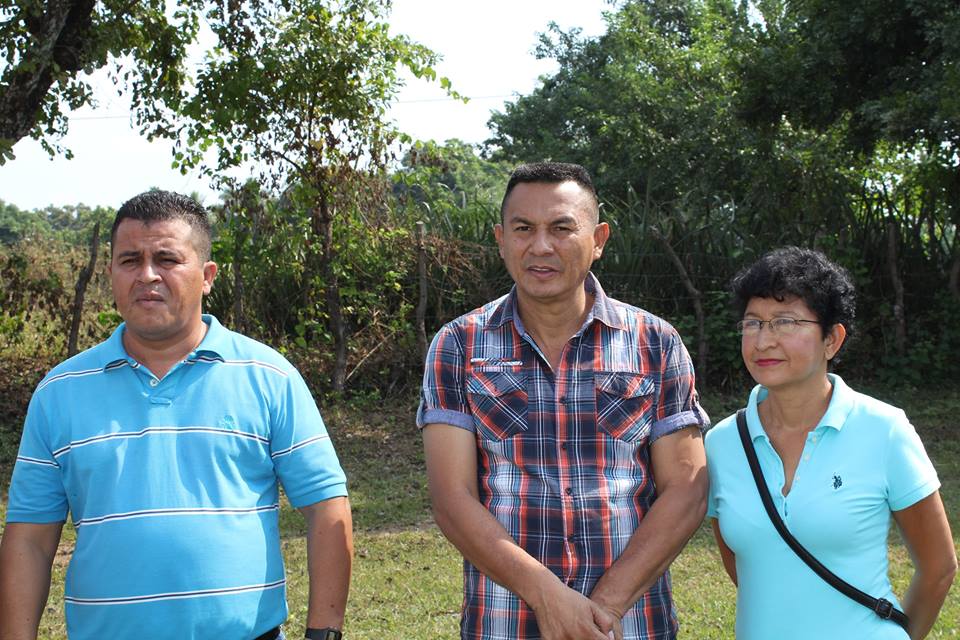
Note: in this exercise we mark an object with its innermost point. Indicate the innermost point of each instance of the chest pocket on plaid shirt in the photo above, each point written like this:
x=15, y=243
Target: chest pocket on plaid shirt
x=498, y=400
x=624, y=404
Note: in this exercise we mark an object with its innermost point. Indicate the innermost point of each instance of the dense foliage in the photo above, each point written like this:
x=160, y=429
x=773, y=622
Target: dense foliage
x=718, y=130
x=50, y=47
x=708, y=143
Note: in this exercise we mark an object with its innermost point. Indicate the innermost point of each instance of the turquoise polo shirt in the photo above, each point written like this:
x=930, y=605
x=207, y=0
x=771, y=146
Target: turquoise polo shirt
x=172, y=485
x=862, y=461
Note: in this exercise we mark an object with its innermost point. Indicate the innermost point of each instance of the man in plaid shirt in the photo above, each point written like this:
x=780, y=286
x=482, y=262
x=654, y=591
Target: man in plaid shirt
x=563, y=436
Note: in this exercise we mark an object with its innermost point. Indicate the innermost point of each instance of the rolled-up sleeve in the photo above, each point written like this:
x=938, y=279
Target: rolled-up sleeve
x=678, y=406
x=442, y=396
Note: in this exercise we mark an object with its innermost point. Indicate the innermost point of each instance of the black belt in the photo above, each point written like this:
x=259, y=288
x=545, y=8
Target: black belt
x=269, y=635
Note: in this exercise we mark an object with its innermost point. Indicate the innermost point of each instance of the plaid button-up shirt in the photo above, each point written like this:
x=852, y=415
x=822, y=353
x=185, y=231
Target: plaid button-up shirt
x=563, y=456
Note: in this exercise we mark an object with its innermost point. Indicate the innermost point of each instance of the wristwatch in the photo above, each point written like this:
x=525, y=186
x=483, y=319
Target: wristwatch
x=323, y=634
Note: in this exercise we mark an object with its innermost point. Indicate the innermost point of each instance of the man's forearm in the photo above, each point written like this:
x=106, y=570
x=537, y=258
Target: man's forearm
x=329, y=561
x=26, y=555
x=679, y=469
x=483, y=541
x=659, y=539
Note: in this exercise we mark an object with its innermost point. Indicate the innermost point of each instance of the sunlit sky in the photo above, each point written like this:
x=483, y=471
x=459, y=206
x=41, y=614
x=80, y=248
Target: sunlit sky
x=487, y=50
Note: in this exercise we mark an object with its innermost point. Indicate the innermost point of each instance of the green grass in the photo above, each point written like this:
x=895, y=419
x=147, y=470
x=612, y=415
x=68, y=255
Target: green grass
x=407, y=577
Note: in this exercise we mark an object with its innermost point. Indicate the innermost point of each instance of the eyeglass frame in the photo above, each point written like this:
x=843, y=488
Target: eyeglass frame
x=776, y=326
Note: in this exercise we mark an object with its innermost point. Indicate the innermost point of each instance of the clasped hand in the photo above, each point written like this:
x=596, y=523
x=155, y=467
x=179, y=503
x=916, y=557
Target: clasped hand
x=569, y=615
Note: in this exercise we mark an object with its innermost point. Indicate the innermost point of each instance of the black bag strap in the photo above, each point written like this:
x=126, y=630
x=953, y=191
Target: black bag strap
x=882, y=607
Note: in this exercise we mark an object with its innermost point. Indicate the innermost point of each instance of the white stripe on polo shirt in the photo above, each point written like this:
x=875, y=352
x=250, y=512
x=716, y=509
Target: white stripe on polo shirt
x=122, y=435
x=37, y=461
x=238, y=363
x=176, y=595
x=69, y=374
x=185, y=511
x=299, y=445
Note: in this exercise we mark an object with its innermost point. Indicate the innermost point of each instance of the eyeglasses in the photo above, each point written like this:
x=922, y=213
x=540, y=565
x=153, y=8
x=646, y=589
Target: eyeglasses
x=777, y=326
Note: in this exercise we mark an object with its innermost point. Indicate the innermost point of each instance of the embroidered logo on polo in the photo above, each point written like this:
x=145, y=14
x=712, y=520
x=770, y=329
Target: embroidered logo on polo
x=837, y=481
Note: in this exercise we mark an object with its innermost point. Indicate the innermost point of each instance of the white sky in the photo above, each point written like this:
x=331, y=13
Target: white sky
x=487, y=50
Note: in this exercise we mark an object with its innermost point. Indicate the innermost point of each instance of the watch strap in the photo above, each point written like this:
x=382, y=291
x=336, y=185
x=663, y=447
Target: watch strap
x=327, y=633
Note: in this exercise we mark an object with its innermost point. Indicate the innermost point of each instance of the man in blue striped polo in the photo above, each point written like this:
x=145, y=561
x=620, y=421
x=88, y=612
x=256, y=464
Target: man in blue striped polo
x=165, y=443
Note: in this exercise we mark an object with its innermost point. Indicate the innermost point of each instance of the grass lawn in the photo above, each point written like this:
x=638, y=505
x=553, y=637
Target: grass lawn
x=407, y=582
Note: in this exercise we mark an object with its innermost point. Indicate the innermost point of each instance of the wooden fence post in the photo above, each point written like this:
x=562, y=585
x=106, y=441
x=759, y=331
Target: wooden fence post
x=80, y=291
x=422, y=302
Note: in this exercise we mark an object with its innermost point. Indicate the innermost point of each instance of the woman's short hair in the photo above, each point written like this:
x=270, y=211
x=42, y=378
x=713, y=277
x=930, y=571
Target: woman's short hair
x=825, y=287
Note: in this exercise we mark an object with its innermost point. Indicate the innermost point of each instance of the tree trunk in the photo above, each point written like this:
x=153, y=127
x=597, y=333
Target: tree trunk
x=955, y=278
x=899, y=318
x=322, y=225
x=422, y=301
x=80, y=291
x=697, y=297
x=60, y=33
x=239, y=318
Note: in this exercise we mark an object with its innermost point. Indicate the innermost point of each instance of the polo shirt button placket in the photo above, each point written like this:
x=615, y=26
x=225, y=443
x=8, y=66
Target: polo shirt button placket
x=154, y=382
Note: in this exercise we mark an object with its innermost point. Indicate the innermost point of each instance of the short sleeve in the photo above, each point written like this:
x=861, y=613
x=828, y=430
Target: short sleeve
x=302, y=451
x=678, y=404
x=442, y=395
x=910, y=474
x=37, y=494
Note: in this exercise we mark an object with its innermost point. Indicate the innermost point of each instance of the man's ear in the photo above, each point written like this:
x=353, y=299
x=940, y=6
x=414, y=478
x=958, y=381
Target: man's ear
x=601, y=233
x=209, y=274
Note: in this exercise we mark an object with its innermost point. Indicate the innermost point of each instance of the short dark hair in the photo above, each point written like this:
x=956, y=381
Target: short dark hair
x=157, y=205
x=824, y=286
x=552, y=173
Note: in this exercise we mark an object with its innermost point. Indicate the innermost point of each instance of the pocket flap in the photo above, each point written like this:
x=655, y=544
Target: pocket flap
x=495, y=383
x=624, y=384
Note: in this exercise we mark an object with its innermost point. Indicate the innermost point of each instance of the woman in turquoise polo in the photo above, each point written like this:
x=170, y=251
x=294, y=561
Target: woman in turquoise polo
x=837, y=464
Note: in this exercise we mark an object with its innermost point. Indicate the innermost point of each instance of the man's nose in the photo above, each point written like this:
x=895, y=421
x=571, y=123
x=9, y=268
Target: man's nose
x=148, y=272
x=542, y=243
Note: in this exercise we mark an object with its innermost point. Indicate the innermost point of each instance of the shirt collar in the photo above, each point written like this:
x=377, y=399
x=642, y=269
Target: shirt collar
x=603, y=310
x=213, y=344
x=841, y=404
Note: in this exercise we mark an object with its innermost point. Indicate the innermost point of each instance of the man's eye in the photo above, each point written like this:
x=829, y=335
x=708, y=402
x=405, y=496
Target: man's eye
x=782, y=323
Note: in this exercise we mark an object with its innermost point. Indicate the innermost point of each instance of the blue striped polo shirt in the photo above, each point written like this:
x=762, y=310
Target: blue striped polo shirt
x=172, y=485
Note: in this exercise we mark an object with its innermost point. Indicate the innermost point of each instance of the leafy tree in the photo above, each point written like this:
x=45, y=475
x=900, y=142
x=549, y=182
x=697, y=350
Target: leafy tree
x=301, y=88
x=51, y=46
x=16, y=223
x=655, y=109
x=886, y=69
x=71, y=223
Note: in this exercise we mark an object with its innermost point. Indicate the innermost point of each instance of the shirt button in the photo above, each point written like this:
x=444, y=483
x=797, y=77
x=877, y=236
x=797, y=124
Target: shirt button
x=563, y=399
x=154, y=382
x=563, y=445
x=806, y=457
x=569, y=491
x=570, y=538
